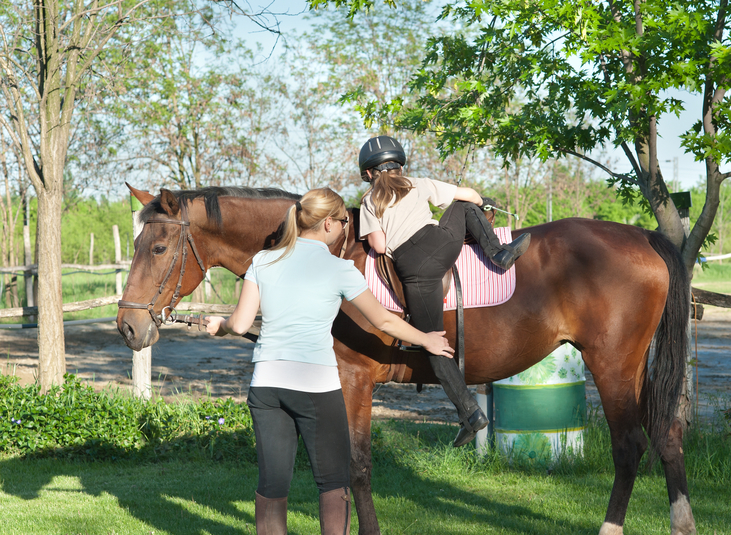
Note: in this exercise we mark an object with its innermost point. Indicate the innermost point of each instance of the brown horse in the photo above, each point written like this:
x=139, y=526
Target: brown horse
x=603, y=287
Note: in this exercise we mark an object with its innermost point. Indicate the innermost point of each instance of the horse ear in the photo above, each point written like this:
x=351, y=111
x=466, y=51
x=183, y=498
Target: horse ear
x=143, y=196
x=168, y=202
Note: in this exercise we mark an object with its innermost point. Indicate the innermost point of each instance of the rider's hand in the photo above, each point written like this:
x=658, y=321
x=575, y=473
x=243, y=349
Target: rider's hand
x=215, y=326
x=436, y=344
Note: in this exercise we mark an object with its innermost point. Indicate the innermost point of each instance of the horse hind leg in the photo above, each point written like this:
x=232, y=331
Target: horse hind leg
x=673, y=463
x=625, y=418
x=629, y=443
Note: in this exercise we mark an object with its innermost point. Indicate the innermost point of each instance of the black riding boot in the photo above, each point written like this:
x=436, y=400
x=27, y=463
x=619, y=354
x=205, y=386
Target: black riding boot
x=503, y=256
x=470, y=415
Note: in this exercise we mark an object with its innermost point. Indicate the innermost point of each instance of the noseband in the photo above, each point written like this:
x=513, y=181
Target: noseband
x=159, y=319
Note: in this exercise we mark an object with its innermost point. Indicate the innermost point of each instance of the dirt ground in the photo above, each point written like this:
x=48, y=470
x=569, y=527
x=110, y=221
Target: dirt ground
x=190, y=363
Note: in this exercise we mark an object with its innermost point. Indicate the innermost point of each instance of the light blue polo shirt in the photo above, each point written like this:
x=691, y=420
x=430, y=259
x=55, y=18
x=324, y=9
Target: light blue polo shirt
x=300, y=297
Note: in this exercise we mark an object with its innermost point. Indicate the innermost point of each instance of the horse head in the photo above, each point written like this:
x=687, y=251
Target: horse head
x=166, y=266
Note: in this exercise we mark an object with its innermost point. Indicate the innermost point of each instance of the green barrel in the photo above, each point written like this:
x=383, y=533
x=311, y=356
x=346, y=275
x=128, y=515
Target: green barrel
x=540, y=413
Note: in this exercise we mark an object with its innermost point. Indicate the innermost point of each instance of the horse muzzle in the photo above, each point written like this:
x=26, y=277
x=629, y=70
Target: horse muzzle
x=137, y=330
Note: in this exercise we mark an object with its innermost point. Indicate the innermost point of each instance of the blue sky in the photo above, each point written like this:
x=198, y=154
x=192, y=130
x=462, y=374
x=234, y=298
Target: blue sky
x=290, y=16
x=670, y=128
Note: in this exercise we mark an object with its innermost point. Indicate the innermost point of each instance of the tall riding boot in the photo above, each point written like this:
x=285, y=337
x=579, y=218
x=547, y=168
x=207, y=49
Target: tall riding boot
x=470, y=415
x=335, y=512
x=270, y=515
x=503, y=256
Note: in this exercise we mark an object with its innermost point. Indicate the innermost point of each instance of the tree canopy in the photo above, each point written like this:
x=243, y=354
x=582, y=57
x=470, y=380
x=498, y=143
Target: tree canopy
x=546, y=78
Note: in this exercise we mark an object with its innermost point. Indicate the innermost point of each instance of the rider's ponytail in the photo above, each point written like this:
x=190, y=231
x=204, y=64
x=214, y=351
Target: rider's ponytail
x=309, y=213
x=388, y=187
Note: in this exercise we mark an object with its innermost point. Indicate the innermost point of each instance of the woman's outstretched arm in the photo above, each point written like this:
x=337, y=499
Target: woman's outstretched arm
x=380, y=318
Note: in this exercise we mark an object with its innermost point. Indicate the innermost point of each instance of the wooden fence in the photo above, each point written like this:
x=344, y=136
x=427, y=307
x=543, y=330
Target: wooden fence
x=141, y=360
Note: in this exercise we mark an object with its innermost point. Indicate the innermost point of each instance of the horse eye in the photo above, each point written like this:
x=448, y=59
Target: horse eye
x=159, y=249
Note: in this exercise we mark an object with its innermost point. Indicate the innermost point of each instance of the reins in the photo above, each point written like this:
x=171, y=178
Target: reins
x=185, y=236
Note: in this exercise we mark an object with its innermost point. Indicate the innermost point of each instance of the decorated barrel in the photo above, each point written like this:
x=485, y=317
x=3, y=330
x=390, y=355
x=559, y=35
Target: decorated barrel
x=540, y=414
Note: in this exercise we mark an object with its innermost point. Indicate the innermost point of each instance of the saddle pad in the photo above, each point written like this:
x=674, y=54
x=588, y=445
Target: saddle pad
x=483, y=283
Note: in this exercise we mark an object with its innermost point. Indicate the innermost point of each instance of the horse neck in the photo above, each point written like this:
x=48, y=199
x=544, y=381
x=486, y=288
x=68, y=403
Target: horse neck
x=249, y=225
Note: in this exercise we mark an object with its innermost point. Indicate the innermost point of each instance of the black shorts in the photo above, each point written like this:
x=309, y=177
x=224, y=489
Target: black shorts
x=280, y=416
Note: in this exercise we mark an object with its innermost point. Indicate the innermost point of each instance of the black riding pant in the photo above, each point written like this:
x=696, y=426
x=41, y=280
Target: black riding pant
x=280, y=416
x=421, y=263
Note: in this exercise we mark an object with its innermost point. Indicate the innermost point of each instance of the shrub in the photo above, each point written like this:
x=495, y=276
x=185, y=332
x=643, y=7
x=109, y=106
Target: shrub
x=75, y=421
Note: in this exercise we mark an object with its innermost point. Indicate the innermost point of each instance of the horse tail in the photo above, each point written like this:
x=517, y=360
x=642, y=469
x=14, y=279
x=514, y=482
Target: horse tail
x=671, y=345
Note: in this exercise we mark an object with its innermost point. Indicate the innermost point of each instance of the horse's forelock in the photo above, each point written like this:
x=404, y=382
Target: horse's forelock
x=210, y=198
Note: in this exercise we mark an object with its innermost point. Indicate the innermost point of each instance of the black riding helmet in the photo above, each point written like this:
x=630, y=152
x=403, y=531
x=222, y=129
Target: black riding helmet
x=379, y=150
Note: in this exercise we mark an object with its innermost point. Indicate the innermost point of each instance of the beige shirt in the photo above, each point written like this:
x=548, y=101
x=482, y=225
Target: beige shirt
x=412, y=213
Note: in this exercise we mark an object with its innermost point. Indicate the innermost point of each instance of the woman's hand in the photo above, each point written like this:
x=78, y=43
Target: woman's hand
x=436, y=344
x=215, y=326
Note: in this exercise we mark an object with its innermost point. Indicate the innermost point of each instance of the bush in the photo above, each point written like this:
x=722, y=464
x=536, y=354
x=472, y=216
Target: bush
x=75, y=421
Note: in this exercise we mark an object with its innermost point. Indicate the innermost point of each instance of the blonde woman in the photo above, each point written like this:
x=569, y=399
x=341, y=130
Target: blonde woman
x=396, y=220
x=295, y=389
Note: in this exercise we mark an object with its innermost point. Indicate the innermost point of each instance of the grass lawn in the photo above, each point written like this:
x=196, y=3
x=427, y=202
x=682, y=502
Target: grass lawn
x=421, y=486
x=714, y=278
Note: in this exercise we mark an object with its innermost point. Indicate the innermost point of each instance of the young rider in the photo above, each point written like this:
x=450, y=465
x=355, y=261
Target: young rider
x=295, y=390
x=396, y=220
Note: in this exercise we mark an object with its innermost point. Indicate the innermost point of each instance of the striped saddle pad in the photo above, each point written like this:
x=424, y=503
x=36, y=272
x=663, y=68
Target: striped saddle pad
x=483, y=283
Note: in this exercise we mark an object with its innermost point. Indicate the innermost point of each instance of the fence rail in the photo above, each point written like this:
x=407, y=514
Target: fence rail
x=715, y=257
x=112, y=300
x=33, y=268
x=67, y=307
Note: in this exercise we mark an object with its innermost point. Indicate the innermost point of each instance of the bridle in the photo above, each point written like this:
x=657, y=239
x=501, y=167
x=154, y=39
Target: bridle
x=159, y=319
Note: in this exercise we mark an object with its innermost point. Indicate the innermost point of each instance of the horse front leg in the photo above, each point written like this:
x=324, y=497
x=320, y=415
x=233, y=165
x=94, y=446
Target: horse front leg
x=358, y=393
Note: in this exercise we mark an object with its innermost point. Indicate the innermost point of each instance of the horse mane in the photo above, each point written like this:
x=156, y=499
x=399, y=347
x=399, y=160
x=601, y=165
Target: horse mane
x=210, y=198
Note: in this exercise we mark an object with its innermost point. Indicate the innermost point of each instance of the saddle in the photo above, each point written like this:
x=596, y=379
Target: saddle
x=387, y=272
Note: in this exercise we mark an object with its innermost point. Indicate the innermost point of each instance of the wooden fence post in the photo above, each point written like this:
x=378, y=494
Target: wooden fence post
x=141, y=360
x=207, y=286
x=91, y=249
x=28, y=275
x=117, y=257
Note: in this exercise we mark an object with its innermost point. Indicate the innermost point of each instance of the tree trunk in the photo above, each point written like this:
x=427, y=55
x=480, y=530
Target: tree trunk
x=51, y=344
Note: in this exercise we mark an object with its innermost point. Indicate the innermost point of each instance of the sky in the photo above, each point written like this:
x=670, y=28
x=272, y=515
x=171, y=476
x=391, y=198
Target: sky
x=287, y=16
x=670, y=128
x=291, y=17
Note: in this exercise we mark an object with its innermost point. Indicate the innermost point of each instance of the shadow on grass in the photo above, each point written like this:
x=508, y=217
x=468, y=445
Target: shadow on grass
x=420, y=486
x=181, y=493
x=425, y=483
x=180, y=496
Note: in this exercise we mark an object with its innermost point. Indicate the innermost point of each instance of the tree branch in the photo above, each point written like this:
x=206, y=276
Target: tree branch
x=632, y=160
x=600, y=166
